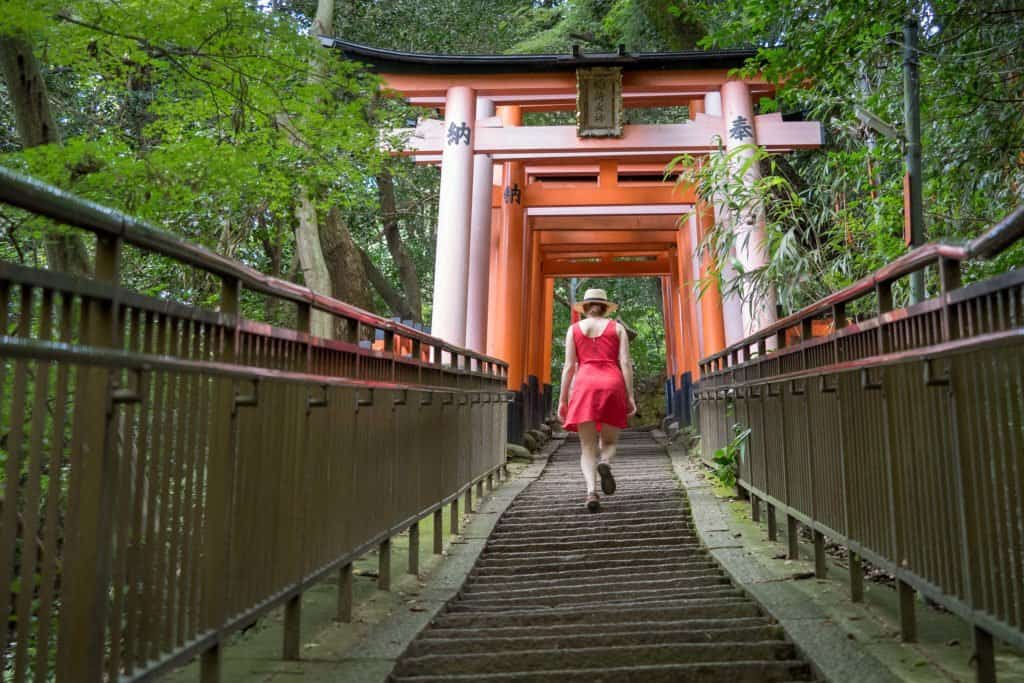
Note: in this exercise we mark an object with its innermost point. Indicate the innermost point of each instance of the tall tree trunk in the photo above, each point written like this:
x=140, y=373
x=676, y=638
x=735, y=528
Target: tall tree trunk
x=307, y=232
x=403, y=261
x=311, y=260
x=344, y=264
x=36, y=126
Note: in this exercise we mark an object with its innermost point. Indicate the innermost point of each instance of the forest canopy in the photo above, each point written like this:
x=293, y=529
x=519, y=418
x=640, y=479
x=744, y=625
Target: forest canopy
x=226, y=121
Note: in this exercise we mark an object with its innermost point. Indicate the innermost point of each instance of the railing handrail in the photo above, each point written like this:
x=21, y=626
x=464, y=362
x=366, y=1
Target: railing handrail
x=62, y=352
x=986, y=246
x=47, y=200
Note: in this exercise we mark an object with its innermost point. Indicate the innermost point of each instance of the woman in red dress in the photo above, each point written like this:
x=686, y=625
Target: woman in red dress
x=597, y=389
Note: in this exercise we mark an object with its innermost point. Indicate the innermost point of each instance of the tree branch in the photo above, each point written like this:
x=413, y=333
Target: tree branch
x=392, y=297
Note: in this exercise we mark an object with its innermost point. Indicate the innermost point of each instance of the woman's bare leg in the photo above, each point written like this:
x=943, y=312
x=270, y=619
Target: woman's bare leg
x=609, y=442
x=588, y=460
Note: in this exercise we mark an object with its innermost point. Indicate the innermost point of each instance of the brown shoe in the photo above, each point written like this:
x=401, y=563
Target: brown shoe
x=607, y=480
x=593, y=502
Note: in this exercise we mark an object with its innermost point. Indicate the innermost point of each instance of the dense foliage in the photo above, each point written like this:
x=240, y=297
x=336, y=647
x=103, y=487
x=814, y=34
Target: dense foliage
x=842, y=213
x=214, y=118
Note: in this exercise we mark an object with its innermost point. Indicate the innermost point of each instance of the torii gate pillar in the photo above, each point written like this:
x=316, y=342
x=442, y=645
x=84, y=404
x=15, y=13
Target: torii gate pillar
x=480, y=243
x=748, y=225
x=451, y=269
x=732, y=307
x=507, y=308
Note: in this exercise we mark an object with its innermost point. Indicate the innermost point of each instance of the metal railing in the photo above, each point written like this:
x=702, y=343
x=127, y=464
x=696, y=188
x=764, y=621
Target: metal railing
x=900, y=436
x=171, y=473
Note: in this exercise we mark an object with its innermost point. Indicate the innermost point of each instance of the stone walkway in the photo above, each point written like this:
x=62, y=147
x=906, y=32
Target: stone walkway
x=626, y=594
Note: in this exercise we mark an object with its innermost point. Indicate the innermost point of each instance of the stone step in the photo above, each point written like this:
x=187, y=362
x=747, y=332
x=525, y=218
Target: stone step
x=597, y=602
x=589, y=597
x=589, y=556
x=610, y=628
x=718, y=672
x=594, y=523
x=510, y=590
x=570, y=542
x=603, y=575
x=472, y=642
x=664, y=611
x=581, y=658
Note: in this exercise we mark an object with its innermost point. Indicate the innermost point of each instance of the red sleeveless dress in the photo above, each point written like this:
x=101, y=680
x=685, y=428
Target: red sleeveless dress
x=598, y=392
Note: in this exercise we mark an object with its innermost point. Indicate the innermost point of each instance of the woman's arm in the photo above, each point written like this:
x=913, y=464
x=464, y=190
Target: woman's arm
x=626, y=365
x=568, y=372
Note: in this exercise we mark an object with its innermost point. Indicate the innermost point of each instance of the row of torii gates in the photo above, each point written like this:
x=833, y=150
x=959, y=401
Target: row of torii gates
x=522, y=205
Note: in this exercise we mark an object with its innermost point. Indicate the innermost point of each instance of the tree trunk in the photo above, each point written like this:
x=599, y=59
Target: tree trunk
x=344, y=264
x=311, y=260
x=392, y=297
x=36, y=126
x=307, y=233
x=403, y=261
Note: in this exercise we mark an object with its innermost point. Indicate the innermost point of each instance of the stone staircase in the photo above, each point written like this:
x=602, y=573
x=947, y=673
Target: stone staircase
x=626, y=594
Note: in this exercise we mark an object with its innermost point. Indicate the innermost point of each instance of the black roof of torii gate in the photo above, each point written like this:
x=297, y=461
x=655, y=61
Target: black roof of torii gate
x=396, y=61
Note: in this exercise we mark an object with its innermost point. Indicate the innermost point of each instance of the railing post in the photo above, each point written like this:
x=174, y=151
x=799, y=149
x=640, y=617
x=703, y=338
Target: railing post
x=219, y=486
x=414, y=548
x=389, y=347
x=856, y=578
x=883, y=291
x=949, y=279
x=984, y=656
x=93, y=492
x=209, y=665
x=384, y=565
x=293, y=628
x=344, y=613
x=773, y=529
x=792, y=537
x=469, y=499
x=454, y=520
x=908, y=617
x=438, y=531
x=479, y=491
x=820, y=568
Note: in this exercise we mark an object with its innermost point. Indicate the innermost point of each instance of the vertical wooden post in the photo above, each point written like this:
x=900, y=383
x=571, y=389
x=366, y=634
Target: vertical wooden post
x=438, y=531
x=773, y=528
x=490, y=481
x=210, y=665
x=454, y=519
x=384, y=565
x=219, y=486
x=414, y=548
x=755, y=508
x=908, y=616
x=820, y=568
x=479, y=491
x=344, y=614
x=793, y=537
x=856, y=578
x=93, y=494
x=293, y=627
x=984, y=656
x=469, y=499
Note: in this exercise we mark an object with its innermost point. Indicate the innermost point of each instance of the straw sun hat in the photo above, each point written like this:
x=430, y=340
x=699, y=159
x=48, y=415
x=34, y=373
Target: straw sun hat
x=595, y=296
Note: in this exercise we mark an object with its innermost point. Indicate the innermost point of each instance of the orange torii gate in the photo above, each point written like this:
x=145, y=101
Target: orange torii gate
x=522, y=205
